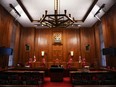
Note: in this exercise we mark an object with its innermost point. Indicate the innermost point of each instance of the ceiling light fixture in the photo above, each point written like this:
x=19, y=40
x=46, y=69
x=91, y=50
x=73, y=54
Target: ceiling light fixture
x=95, y=15
x=15, y=10
x=56, y=19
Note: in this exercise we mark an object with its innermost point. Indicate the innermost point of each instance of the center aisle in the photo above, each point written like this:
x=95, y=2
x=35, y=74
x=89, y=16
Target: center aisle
x=66, y=83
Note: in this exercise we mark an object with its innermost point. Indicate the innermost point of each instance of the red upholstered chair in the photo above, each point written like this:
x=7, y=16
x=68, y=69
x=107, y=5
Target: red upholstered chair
x=69, y=64
x=43, y=62
x=29, y=63
x=57, y=61
x=34, y=59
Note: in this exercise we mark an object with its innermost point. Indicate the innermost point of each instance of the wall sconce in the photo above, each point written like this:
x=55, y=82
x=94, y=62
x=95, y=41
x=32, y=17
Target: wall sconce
x=71, y=53
x=87, y=47
x=27, y=47
x=42, y=53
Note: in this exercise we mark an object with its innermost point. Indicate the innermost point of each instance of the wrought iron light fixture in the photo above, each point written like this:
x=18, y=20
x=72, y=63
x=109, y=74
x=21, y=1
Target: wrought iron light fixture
x=56, y=19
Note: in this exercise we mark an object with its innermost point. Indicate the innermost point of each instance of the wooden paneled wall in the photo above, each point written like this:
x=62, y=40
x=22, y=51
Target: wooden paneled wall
x=88, y=44
x=6, y=31
x=109, y=33
x=27, y=38
x=97, y=43
x=108, y=22
x=75, y=40
x=83, y=42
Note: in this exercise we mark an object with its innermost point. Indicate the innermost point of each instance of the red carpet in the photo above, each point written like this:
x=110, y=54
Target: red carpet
x=66, y=83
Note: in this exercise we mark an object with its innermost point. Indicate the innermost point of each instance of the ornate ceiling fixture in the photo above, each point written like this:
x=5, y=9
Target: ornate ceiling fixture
x=56, y=19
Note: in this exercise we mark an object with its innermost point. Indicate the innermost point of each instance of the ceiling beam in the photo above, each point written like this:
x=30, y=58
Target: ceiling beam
x=89, y=10
x=25, y=10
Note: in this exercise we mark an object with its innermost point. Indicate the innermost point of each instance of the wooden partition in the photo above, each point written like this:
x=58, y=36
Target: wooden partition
x=9, y=36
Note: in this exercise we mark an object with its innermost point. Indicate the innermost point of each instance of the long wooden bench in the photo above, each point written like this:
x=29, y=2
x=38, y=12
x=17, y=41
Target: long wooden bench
x=21, y=77
x=93, y=78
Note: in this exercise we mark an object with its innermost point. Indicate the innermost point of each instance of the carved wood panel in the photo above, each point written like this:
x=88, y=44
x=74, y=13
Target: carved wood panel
x=57, y=52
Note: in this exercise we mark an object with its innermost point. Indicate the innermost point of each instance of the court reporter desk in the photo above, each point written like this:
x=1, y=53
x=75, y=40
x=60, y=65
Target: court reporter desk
x=56, y=74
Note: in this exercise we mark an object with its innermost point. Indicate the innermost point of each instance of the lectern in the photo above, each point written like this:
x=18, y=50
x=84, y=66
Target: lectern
x=56, y=74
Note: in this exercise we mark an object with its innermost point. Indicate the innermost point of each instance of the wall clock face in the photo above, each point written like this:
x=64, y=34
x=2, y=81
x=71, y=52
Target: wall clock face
x=57, y=37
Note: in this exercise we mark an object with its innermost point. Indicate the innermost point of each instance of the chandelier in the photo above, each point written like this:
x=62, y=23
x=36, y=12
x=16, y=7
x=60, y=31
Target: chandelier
x=56, y=19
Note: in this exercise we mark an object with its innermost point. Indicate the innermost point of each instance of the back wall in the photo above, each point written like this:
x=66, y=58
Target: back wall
x=80, y=41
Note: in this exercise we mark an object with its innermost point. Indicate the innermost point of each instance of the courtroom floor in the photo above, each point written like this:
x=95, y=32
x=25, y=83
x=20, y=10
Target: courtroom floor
x=66, y=83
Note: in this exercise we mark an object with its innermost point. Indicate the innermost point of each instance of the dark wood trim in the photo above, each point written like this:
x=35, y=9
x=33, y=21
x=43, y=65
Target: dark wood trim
x=25, y=10
x=89, y=10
